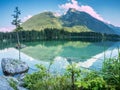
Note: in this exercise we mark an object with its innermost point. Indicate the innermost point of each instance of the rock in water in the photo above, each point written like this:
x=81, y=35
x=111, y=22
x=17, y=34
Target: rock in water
x=13, y=66
x=4, y=85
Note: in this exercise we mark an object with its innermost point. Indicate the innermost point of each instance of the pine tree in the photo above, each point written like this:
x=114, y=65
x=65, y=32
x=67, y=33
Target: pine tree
x=16, y=21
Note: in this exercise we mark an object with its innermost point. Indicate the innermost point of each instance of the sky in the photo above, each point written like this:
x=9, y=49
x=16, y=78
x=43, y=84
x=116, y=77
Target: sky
x=107, y=11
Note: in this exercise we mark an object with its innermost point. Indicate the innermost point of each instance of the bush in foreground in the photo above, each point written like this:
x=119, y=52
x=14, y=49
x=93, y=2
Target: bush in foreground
x=72, y=79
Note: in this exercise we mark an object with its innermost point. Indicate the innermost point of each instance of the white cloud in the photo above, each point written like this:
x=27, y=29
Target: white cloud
x=75, y=5
x=57, y=14
x=7, y=29
x=26, y=18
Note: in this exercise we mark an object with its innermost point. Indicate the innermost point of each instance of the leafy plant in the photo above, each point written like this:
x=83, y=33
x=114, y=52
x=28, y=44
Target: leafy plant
x=42, y=80
x=111, y=72
x=75, y=78
x=91, y=81
x=73, y=72
x=13, y=84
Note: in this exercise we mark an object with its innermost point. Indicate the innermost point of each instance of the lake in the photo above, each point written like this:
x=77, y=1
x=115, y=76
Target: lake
x=76, y=50
x=61, y=53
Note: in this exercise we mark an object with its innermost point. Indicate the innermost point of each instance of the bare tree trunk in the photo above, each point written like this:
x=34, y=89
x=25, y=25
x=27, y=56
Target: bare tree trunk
x=18, y=45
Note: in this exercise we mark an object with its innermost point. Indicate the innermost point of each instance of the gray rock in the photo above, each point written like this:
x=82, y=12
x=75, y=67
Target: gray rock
x=4, y=85
x=12, y=66
x=22, y=76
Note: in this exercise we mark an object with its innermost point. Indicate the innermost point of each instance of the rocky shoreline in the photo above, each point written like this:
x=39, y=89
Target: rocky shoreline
x=10, y=68
x=11, y=83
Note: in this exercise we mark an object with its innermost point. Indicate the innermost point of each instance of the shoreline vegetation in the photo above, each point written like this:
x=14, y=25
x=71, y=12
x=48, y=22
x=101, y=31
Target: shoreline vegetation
x=56, y=34
x=75, y=78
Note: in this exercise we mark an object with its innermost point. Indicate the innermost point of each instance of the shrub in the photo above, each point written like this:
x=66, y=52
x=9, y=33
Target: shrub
x=13, y=84
x=75, y=78
x=91, y=81
x=43, y=80
x=111, y=72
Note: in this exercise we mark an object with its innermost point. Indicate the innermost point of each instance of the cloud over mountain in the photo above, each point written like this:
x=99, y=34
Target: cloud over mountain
x=26, y=18
x=75, y=5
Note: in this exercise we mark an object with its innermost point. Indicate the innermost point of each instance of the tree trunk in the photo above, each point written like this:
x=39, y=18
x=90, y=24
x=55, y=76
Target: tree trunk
x=18, y=45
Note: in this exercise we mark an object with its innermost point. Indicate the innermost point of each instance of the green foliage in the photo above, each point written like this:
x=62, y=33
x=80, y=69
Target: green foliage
x=13, y=84
x=111, y=72
x=76, y=79
x=16, y=20
x=73, y=79
x=32, y=80
x=42, y=80
x=77, y=29
x=73, y=72
x=91, y=81
x=73, y=69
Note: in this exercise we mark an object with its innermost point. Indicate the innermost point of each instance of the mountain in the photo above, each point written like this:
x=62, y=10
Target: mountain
x=72, y=21
x=41, y=21
x=49, y=20
x=116, y=29
x=73, y=17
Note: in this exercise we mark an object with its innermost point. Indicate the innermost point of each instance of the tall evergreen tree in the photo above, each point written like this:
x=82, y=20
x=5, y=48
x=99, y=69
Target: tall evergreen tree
x=16, y=21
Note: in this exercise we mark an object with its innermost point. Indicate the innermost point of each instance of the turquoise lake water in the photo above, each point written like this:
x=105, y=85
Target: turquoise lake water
x=58, y=51
x=76, y=50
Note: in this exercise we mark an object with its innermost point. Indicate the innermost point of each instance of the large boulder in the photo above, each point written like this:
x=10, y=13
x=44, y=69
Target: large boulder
x=13, y=66
x=10, y=83
x=4, y=85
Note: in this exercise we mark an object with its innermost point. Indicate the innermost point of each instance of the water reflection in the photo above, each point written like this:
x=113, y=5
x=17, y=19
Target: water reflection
x=61, y=52
x=76, y=50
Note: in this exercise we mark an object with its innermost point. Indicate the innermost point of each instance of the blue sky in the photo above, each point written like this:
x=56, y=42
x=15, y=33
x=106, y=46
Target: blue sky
x=105, y=10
